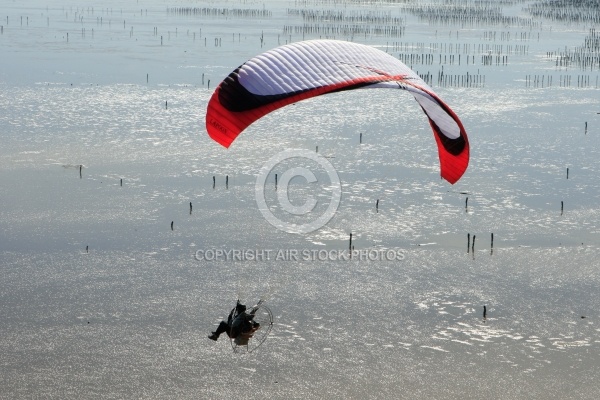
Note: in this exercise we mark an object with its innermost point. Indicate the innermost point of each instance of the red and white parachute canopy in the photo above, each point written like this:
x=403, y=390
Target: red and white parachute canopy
x=298, y=71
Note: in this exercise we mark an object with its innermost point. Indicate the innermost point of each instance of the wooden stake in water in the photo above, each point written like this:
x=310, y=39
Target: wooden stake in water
x=484, y=312
x=350, y=244
x=275, y=181
x=190, y=208
x=226, y=181
x=466, y=204
x=586, y=127
x=567, y=173
x=121, y=182
x=377, y=205
x=473, y=245
x=214, y=181
x=87, y=249
x=360, y=140
x=561, y=207
x=468, y=242
x=492, y=244
x=80, y=167
x=172, y=225
x=317, y=149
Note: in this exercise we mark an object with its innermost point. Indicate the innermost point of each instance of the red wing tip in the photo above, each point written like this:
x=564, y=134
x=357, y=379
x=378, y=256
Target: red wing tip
x=224, y=143
x=453, y=178
x=223, y=140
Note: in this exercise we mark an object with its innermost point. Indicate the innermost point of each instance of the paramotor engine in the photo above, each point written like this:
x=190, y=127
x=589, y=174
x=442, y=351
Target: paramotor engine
x=262, y=323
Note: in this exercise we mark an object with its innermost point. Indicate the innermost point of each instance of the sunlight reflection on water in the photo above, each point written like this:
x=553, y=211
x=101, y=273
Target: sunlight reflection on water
x=128, y=317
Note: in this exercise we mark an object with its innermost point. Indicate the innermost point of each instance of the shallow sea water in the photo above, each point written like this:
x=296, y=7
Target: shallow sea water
x=129, y=317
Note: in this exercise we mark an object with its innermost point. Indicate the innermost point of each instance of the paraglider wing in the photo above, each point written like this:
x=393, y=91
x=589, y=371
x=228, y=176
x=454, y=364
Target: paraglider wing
x=301, y=70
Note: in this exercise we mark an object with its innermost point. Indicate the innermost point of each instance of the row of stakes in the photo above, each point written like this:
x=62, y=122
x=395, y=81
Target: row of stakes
x=485, y=11
x=469, y=244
